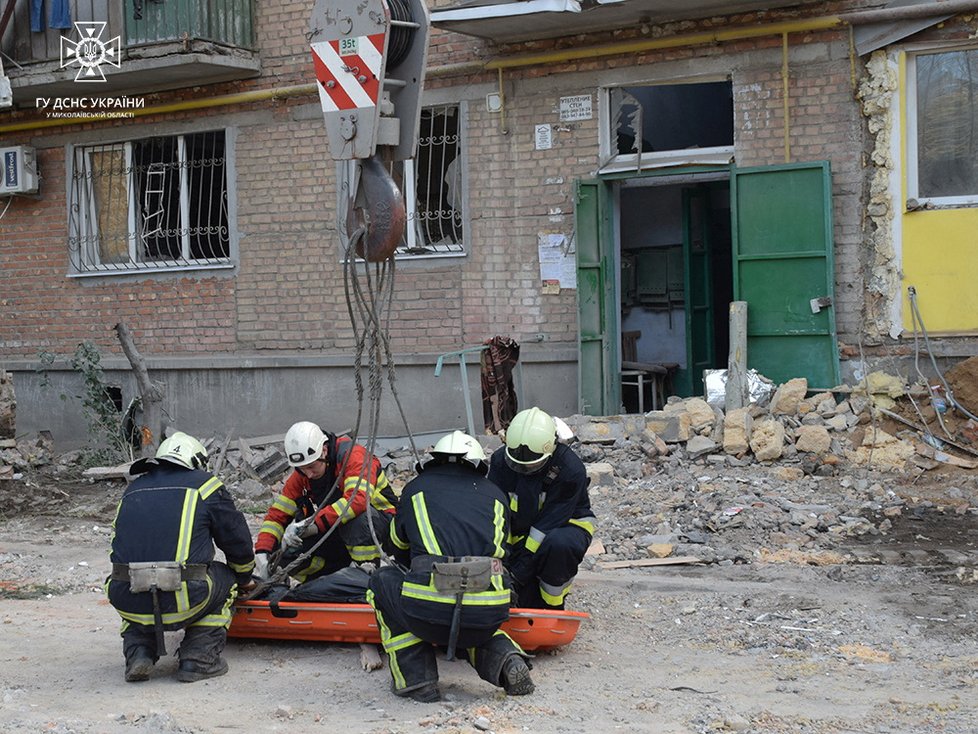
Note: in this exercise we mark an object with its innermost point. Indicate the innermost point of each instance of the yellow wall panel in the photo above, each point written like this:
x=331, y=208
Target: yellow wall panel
x=940, y=259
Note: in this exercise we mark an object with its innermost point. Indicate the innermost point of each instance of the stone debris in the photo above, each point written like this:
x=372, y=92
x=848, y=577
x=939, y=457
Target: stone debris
x=787, y=482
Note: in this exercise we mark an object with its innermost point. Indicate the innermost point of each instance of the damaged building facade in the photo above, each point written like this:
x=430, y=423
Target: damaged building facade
x=597, y=181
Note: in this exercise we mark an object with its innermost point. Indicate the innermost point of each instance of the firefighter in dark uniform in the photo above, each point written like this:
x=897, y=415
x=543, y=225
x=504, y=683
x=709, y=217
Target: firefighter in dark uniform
x=551, y=523
x=164, y=576
x=326, y=494
x=450, y=530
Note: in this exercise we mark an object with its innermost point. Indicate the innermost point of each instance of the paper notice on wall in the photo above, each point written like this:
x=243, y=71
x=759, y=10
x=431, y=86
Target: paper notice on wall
x=558, y=268
x=543, y=137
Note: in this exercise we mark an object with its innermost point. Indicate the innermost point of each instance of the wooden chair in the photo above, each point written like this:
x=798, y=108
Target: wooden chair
x=639, y=374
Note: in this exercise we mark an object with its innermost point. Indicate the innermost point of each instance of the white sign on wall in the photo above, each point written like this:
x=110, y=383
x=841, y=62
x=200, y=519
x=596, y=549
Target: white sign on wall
x=575, y=108
x=543, y=137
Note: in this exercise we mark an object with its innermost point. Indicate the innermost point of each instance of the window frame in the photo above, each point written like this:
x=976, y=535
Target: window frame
x=914, y=199
x=84, y=264
x=613, y=162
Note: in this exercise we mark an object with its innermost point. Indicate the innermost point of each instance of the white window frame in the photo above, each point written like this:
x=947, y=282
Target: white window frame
x=614, y=162
x=84, y=228
x=914, y=199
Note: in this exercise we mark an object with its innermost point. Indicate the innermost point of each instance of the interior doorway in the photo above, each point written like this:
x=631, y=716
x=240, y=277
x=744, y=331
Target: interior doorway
x=675, y=278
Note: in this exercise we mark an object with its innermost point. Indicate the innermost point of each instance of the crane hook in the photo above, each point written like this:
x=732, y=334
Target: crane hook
x=378, y=211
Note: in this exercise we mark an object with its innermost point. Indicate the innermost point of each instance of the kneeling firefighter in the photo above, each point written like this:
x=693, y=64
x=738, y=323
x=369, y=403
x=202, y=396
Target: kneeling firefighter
x=451, y=530
x=164, y=576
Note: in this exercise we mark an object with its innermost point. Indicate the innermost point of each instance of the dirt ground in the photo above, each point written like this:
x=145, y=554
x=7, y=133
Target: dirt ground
x=757, y=647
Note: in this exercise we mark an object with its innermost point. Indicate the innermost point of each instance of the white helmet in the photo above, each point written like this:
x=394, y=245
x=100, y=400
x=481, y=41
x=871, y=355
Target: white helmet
x=184, y=450
x=304, y=443
x=458, y=446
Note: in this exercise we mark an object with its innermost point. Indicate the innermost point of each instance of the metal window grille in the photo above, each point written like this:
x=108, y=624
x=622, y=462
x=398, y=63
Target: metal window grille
x=151, y=204
x=432, y=185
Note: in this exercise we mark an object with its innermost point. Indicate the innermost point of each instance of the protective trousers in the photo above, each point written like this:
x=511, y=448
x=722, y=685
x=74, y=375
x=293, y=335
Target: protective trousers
x=553, y=568
x=409, y=642
x=351, y=542
x=205, y=634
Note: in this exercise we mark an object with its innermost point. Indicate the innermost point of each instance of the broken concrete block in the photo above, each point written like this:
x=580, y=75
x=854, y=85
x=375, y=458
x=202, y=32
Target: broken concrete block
x=880, y=450
x=671, y=427
x=812, y=439
x=600, y=430
x=601, y=474
x=788, y=396
x=789, y=473
x=699, y=445
x=660, y=550
x=767, y=440
x=737, y=426
x=839, y=422
x=700, y=413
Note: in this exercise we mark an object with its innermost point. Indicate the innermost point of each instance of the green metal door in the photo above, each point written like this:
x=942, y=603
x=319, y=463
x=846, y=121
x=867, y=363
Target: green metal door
x=783, y=269
x=599, y=389
x=698, y=286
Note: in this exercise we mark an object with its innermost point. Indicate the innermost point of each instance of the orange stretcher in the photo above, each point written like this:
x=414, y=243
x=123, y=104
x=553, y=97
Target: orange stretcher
x=533, y=629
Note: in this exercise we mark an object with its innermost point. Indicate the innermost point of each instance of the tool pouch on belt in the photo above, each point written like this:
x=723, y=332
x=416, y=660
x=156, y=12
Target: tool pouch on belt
x=459, y=575
x=468, y=573
x=149, y=575
x=154, y=577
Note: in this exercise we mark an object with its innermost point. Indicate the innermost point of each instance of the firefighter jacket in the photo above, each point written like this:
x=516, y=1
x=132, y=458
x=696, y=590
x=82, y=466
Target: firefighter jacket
x=173, y=514
x=449, y=511
x=551, y=498
x=359, y=475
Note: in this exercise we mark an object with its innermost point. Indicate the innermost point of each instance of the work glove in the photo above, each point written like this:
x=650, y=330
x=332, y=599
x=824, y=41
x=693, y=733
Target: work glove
x=297, y=532
x=261, y=567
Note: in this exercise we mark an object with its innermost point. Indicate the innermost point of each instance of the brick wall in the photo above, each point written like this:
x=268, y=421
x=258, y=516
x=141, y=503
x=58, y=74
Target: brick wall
x=287, y=293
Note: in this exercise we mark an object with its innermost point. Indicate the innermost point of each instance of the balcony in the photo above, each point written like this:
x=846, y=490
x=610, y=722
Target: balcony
x=162, y=44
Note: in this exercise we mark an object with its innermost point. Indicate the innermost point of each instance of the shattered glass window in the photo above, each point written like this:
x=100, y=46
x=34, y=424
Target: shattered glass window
x=152, y=203
x=668, y=123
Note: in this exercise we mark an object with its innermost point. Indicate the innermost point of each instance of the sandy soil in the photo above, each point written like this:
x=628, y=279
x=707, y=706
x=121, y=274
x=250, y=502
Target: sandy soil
x=673, y=650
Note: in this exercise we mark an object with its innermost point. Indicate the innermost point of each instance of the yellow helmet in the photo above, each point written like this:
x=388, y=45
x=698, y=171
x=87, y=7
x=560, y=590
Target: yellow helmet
x=531, y=439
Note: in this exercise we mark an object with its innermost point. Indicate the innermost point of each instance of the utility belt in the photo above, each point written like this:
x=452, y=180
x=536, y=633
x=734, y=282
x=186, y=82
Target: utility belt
x=458, y=575
x=154, y=577
x=161, y=575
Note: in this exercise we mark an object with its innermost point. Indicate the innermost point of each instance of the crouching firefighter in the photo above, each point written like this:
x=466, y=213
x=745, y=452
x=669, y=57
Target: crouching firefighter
x=164, y=576
x=451, y=530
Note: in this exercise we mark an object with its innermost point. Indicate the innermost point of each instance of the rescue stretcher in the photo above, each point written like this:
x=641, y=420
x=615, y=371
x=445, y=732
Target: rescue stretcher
x=535, y=630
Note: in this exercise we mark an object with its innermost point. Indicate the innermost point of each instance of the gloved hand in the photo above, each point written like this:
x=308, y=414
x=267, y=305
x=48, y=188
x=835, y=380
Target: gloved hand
x=297, y=531
x=261, y=567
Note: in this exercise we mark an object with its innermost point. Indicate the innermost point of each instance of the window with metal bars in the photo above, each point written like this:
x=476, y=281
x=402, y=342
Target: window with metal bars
x=432, y=186
x=151, y=204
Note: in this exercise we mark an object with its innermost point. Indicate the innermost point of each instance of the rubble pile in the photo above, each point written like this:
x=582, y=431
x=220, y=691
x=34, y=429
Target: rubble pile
x=794, y=479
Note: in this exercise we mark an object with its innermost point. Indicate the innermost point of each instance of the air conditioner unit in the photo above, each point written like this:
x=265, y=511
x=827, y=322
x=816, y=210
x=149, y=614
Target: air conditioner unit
x=19, y=175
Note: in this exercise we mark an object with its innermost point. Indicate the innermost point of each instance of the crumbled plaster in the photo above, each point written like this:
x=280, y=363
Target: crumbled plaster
x=876, y=90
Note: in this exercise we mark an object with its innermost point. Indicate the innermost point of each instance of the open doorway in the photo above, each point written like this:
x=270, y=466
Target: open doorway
x=675, y=266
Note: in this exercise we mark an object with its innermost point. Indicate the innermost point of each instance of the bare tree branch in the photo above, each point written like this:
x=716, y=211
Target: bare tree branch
x=151, y=430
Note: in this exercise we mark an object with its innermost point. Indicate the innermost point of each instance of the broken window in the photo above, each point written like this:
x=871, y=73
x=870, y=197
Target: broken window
x=667, y=124
x=432, y=186
x=155, y=203
x=943, y=126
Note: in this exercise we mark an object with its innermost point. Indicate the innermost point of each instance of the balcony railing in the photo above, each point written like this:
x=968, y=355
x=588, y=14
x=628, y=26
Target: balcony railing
x=138, y=23
x=162, y=44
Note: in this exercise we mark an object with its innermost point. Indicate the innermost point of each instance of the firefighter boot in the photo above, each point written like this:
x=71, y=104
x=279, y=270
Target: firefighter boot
x=515, y=677
x=191, y=671
x=139, y=664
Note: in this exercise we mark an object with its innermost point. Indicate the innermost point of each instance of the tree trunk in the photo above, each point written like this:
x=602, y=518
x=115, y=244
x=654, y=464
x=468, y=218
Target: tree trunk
x=151, y=397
